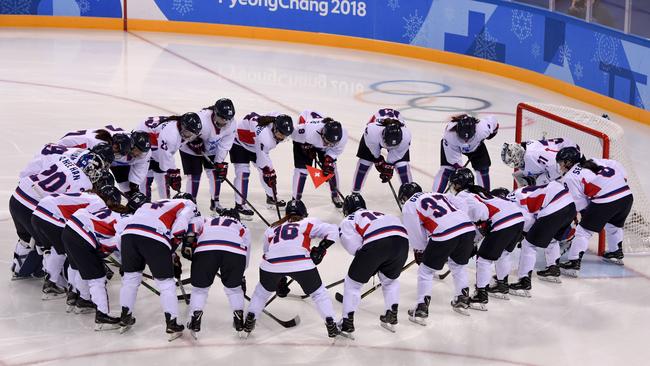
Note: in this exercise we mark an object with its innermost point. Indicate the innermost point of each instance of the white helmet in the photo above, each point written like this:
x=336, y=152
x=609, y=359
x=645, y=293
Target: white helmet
x=513, y=155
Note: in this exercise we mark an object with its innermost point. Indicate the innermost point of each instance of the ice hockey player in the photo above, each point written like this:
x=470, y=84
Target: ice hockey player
x=210, y=150
x=288, y=252
x=62, y=176
x=222, y=245
x=150, y=238
x=439, y=233
x=88, y=238
x=130, y=170
x=256, y=136
x=379, y=244
x=87, y=139
x=499, y=221
x=51, y=153
x=465, y=135
x=385, y=130
x=602, y=195
x=322, y=139
x=534, y=159
x=167, y=134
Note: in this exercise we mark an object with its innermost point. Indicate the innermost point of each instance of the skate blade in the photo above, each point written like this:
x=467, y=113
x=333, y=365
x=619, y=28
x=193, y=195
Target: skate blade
x=420, y=321
x=478, y=306
x=570, y=272
x=246, y=218
x=389, y=327
x=346, y=335
x=19, y=278
x=461, y=311
x=498, y=295
x=194, y=335
x=83, y=310
x=550, y=279
x=244, y=335
x=69, y=309
x=46, y=297
x=175, y=335
x=521, y=293
x=618, y=262
x=103, y=326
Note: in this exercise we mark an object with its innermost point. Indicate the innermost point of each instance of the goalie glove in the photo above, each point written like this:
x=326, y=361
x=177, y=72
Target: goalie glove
x=328, y=165
x=318, y=253
x=220, y=171
x=173, y=179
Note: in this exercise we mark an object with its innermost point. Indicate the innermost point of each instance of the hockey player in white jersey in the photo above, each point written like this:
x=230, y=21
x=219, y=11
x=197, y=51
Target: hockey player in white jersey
x=465, y=135
x=534, y=159
x=385, y=130
x=603, y=197
x=87, y=139
x=51, y=153
x=150, y=238
x=288, y=252
x=167, y=134
x=322, y=138
x=210, y=150
x=222, y=245
x=439, y=233
x=499, y=221
x=379, y=244
x=130, y=169
x=256, y=136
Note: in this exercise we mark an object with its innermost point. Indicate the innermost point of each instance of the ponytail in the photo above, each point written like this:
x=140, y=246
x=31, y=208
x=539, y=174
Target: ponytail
x=103, y=135
x=265, y=120
x=591, y=165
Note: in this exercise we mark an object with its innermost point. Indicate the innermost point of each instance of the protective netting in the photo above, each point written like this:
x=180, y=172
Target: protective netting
x=539, y=121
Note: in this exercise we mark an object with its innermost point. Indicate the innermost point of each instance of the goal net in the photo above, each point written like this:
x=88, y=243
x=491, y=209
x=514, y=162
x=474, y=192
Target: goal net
x=597, y=137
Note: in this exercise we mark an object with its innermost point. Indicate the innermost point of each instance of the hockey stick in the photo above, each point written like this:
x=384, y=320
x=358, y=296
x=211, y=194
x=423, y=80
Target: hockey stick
x=335, y=283
x=390, y=184
x=339, y=297
x=144, y=283
x=276, y=294
x=185, y=296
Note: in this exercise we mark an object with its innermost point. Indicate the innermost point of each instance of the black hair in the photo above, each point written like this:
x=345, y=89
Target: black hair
x=590, y=164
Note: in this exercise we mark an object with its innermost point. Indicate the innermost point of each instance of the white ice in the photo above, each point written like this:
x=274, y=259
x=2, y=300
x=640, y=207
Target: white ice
x=55, y=81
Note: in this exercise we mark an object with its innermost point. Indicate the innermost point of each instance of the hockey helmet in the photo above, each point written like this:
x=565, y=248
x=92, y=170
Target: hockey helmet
x=105, y=151
x=283, y=124
x=568, y=157
x=407, y=190
x=392, y=135
x=513, y=155
x=500, y=192
x=121, y=144
x=110, y=193
x=92, y=165
x=225, y=110
x=296, y=208
x=465, y=126
x=332, y=132
x=190, y=126
x=461, y=179
x=352, y=203
x=184, y=196
x=141, y=141
x=106, y=179
x=136, y=200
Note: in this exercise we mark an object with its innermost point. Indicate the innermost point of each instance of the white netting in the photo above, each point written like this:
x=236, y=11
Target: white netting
x=536, y=126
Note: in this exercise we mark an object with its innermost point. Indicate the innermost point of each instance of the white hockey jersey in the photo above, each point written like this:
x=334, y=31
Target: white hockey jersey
x=49, y=154
x=86, y=139
x=221, y=233
x=365, y=226
x=165, y=141
x=454, y=147
x=216, y=141
x=97, y=227
x=160, y=220
x=58, y=208
x=540, y=201
x=375, y=142
x=433, y=216
x=257, y=139
x=500, y=213
x=287, y=246
x=308, y=131
x=608, y=185
x=539, y=158
x=63, y=176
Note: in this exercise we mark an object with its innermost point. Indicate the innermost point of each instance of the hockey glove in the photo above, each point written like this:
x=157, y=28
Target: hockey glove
x=496, y=130
x=283, y=287
x=328, y=165
x=418, y=255
x=173, y=179
x=484, y=227
x=187, y=248
x=136, y=200
x=318, y=253
x=196, y=146
x=385, y=169
x=178, y=267
x=309, y=151
x=220, y=171
x=269, y=177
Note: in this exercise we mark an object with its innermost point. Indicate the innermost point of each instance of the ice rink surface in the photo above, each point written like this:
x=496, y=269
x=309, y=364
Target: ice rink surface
x=55, y=81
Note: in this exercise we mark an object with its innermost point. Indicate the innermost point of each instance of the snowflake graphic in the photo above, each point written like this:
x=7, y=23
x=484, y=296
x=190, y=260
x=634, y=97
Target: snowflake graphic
x=450, y=13
x=412, y=25
x=536, y=50
x=606, y=50
x=183, y=6
x=15, y=6
x=84, y=6
x=564, y=54
x=486, y=45
x=522, y=24
x=393, y=4
x=578, y=70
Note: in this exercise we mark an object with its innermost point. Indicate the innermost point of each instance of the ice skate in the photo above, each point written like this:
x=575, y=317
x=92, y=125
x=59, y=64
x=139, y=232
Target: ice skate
x=347, y=325
x=249, y=325
x=51, y=290
x=550, y=274
x=215, y=207
x=105, y=321
x=571, y=267
x=333, y=330
x=173, y=329
x=522, y=287
x=388, y=321
x=615, y=257
x=71, y=300
x=420, y=314
x=194, y=325
x=126, y=320
x=238, y=322
x=499, y=290
x=479, y=300
x=272, y=203
x=83, y=306
x=245, y=213
x=460, y=303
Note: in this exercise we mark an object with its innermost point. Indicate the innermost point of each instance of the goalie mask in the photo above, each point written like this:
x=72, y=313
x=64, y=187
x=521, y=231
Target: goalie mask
x=513, y=155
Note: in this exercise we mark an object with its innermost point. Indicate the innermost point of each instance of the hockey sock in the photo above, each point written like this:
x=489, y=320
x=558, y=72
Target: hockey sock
x=614, y=235
x=198, y=298
x=213, y=185
x=390, y=288
x=323, y=303
x=360, y=175
x=98, y=293
x=161, y=184
x=242, y=173
x=404, y=171
x=552, y=253
x=483, y=272
x=299, y=179
x=168, y=299
x=351, y=295
x=54, y=265
x=235, y=297
x=192, y=182
x=527, y=258
x=580, y=242
x=258, y=301
x=425, y=281
x=459, y=274
x=129, y=290
x=442, y=178
x=82, y=286
x=483, y=178
x=503, y=265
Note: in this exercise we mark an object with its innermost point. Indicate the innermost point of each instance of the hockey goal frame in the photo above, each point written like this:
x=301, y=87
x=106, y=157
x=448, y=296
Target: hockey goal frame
x=519, y=125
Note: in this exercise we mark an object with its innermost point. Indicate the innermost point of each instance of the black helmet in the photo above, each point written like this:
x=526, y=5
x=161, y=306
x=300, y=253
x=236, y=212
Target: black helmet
x=184, y=196
x=332, y=132
x=105, y=151
x=500, y=192
x=392, y=135
x=110, y=194
x=106, y=179
x=569, y=155
x=296, y=208
x=283, y=124
x=140, y=140
x=352, y=203
x=462, y=178
x=230, y=212
x=407, y=190
x=224, y=108
x=465, y=126
x=136, y=200
x=121, y=143
x=190, y=126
